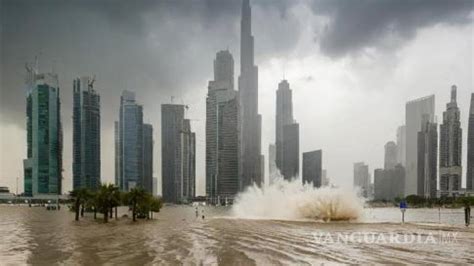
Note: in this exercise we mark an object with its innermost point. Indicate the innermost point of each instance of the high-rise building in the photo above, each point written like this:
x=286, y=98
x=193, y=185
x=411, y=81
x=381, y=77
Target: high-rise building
x=391, y=152
x=427, y=158
x=86, y=134
x=324, y=178
x=251, y=121
x=389, y=183
x=178, y=155
x=43, y=166
x=362, y=178
x=291, y=151
x=147, y=179
x=450, y=148
x=284, y=116
x=414, y=110
x=470, y=148
x=129, y=137
x=401, y=145
x=222, y=131
x=272, y=168
x=312, y=168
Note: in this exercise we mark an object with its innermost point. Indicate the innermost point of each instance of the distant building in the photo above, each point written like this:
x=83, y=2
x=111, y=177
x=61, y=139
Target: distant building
x=389, y=183
x=391, y=152
x=450, y=148
x=470, y=148
x=312, y=168
x=155, y=186
x=362, y=178
x=427, y=158
x=414, y=112
x=43, y=166
x=222, y=131
x=147, y=180
x=178, y=157
x=273, y=171
x=401, y=145
x=291, y=153
x=284, y=116
x=129, y=141
x=324, y=178
x=86, y=134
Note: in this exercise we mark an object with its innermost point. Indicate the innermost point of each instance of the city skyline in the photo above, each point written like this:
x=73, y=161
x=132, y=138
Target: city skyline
x=329, y=96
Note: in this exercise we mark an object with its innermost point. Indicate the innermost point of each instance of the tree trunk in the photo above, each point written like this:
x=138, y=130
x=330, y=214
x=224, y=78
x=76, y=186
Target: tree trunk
x=77, y=206
x=111, y=212
x=115, y=212
x=82, y=210
x=133, y=211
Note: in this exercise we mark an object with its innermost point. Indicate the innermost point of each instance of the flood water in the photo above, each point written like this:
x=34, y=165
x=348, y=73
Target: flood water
x=177, y=236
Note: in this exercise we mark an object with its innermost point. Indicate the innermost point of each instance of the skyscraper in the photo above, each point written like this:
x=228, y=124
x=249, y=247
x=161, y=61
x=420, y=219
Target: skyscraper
x=178, y=157
x=389, y=183
x=43, y=166
x=130, y=143
x=414, y=110
x=291, y=151
x=427, y=158
x=248, y=91
x=284, y=116
x=362, y=178
x=470, y=148
x=401, y=145
x=222, y=131
x=147, y=182
x=86, y=134
x=312, y=168
x=272, y=168
x=450, y=147
x=391, y=153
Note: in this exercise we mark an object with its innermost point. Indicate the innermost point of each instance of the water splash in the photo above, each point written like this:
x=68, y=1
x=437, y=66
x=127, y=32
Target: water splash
x=294, y=201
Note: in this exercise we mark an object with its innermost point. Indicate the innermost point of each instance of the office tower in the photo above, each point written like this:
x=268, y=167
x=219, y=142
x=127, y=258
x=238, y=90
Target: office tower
x=178, y=155
x=291, y=151
x=272, y=168
x=86, y=134
x=312, y=168
x=118, y=157
x=427, y=158
x=414, y=110
x=470, y=148
x=251, y=121
x=147, y=181
x=450, y=148
x=43, y=166
x=155, y=186
x=130, y=143
x=401, y=145
x=284, y=116
x=380, y=185
x=391, y=152
x=362, y=178
x=222, y=131
x=389, y=183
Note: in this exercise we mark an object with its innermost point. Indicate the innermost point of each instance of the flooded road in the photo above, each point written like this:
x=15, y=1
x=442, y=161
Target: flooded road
x=177, y=236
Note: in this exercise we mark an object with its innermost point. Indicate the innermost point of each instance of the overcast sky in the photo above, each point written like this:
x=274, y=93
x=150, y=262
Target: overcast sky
x=352, y=65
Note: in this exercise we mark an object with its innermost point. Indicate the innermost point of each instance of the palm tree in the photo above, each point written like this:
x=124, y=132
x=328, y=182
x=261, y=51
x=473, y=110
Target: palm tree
x=135, y=197
x=155, y=205
x=106, y=199
x=80, y=197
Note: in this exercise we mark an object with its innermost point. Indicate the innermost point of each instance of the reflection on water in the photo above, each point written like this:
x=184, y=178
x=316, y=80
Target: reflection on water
x=34, y=235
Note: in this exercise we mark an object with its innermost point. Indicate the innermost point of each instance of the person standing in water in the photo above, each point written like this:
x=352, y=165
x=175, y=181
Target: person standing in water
x=467, y=214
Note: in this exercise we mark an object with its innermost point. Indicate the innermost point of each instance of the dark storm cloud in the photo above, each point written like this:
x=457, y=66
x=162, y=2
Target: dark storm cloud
x=356, y=24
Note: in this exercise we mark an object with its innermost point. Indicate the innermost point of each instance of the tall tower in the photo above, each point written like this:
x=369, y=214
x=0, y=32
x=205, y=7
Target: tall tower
x=147, y=179
x=312, y=167
x=427, y=158
x=362, y=178
x=86, y=134
x=391, y=153
x=222, y=131
x=450, y=167
x=470, y=148
x=43, y=166
x=284, y=116
x=248, y=91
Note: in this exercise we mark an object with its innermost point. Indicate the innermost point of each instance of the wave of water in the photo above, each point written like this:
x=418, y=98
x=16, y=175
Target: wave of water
x=291, y=200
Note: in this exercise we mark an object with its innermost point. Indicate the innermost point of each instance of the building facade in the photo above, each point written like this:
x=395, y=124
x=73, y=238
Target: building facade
x=401, y=145
x=312, y=168
x=86, y=134
x=427, y=158
x=450, y=148
x=148, y=143
x=470, y=148
x=284, y=116
x=362, y=178
x=291, y=151
x=43, y=165
x=273, y=172
x=389, y=184
x=391, y=155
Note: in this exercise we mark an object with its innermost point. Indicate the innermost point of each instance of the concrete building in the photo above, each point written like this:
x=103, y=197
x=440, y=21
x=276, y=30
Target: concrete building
x=362, y=178
x=86, y=134
x=312, y=168
x=251, y=121
x=389, y=183
x=401, y=145
x=291, y=152
x=129, y=156
x=450, y=148
x=391, y=152
x=470, y=148
x=178, y=146
x=222, y=132
x=427, y=158
x=414, y=110
x=148, y=143
x=284, y=116
x=272, y=168
x=43, y=166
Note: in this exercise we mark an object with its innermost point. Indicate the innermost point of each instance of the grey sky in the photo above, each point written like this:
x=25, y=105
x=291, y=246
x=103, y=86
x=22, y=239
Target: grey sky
x=343, y=59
